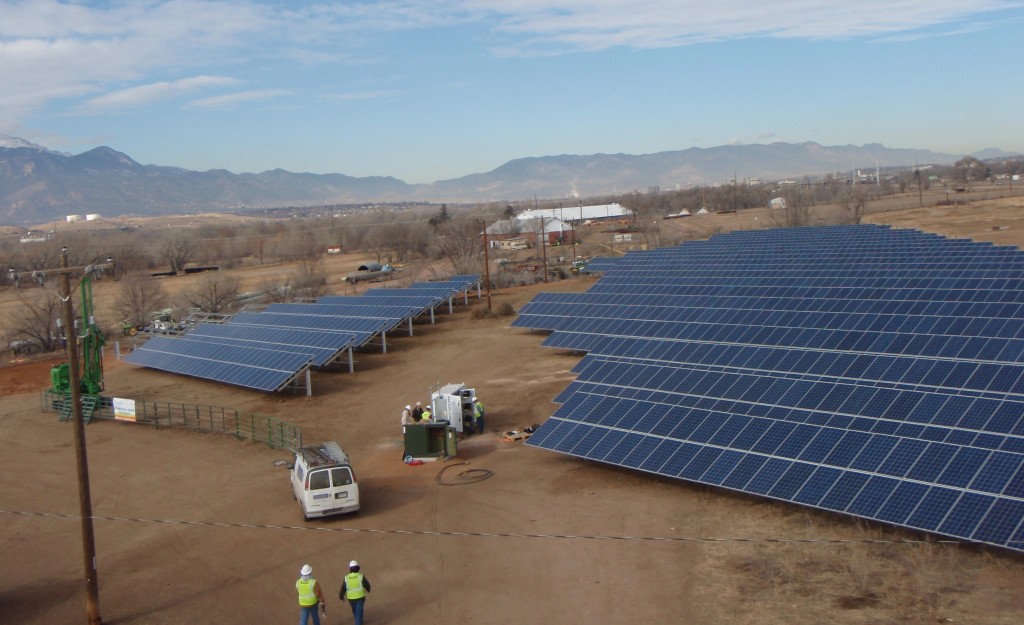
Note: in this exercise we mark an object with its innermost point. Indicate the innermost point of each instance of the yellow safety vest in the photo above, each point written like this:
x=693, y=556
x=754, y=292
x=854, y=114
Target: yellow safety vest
x=426, y=415
x=354, y=586
x=307, y=596
x=478, y=410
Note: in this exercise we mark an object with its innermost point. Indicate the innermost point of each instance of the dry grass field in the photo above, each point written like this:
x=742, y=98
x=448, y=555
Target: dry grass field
x=203, y=528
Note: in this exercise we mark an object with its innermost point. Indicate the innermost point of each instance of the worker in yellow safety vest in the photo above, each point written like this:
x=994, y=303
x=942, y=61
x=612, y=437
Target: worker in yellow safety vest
x=310, y=596
x=354, y=591
x=425, y=417
x=478, y=416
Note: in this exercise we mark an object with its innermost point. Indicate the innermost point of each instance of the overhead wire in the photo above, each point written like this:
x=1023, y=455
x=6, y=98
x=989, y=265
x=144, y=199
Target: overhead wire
x=358, y=530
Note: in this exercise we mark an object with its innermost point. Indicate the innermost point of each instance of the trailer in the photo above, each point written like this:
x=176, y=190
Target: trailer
x=370, y=273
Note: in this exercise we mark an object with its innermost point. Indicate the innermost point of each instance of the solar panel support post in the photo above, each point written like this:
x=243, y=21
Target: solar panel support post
x=384, y=341
x=410, y=326
x=351, y=361
x=309, y=384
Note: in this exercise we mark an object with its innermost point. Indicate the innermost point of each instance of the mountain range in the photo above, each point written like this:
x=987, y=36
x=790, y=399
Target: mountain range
x=38, y=184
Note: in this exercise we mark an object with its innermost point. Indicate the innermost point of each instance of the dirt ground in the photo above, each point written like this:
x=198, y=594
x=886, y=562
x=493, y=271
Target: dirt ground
x=198, y=528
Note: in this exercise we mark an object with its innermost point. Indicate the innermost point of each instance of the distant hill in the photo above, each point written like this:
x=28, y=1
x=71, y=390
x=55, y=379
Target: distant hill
x=38, y=185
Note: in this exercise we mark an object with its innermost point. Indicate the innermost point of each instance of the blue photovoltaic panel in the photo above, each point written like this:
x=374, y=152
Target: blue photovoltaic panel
x=362, y=328
x=858, y=369
x=322, y=346
x=268, y=350
x=261, y=369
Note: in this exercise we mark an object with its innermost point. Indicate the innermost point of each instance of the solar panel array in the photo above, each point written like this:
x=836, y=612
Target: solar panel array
x=269, y=350
x=858, y=369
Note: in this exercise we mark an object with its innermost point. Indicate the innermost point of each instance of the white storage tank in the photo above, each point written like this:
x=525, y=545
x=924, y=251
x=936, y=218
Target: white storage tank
x=74, y=218
x=92, y=216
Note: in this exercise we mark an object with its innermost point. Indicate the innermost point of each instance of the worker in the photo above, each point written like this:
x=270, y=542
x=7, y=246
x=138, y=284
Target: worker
x=407, y=415
x=478, y=415
x=354, y=590
x=425, y=417
x=310, y=596
x=417, y=412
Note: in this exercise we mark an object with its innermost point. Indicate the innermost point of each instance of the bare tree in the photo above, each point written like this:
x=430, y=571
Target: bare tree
x=34, y=320
x=216, y=292
x=459, y=240
x=378, y=241
x=140, y=295
x=309, y=279
x=854, y=202
x=178, y=249
x=797, y=209
x=42, y=255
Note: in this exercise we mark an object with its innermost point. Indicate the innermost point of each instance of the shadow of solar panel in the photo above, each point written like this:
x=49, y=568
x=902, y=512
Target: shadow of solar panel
x=857, y=369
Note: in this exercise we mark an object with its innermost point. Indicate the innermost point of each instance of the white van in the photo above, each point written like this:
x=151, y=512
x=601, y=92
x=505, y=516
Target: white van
x=323, y=481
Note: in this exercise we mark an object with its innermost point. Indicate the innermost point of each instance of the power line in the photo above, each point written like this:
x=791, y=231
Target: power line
x=302, y=528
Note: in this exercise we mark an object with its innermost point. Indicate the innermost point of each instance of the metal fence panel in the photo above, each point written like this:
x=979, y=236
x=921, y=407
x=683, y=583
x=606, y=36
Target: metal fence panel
x=273, y=432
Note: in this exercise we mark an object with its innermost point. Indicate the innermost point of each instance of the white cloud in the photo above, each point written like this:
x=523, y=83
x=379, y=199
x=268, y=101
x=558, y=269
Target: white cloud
x=232, y=99
x=53, y=51
x=572, y=25
x=145, y=94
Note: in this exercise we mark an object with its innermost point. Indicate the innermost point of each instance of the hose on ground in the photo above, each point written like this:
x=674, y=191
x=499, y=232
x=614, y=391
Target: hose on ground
x=469, y=476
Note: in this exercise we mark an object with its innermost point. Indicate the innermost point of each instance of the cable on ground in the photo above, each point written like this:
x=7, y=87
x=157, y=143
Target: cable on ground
x=469, y=476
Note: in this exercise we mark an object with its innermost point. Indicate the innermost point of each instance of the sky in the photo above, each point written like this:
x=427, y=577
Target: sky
x=427, y=90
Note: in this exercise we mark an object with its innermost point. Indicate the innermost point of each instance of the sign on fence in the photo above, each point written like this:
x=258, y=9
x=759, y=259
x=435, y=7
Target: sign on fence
x=124, y=409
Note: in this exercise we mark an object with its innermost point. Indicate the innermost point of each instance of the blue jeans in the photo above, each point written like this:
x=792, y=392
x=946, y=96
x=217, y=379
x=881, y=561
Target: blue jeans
x=306, y=611
x=357, y=610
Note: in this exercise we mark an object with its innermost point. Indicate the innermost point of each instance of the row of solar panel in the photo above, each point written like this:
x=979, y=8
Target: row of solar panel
x=260, y=369
x=859, y=407
x=948, y=325
x=895, y=293
x=930, y=507
x=996, y=310
x=269, y=350
x=940, y=375
x=905, y=343
x=985, y=470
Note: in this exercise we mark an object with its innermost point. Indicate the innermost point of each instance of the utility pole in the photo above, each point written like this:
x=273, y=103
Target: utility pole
x=92, y=599
x=85, y=500
x=544, y=247
x=487, y=268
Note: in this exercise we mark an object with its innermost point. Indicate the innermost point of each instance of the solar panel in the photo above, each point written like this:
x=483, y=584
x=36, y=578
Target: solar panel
x=260, y=369
x=269, y=350
x=362, y=328
x=324, y=347
x=857, y=369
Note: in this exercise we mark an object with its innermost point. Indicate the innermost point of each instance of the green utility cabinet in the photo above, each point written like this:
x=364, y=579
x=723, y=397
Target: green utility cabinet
x=431, y=441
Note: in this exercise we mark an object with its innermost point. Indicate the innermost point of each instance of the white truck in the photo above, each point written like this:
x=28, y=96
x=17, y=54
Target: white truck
x=323, y=481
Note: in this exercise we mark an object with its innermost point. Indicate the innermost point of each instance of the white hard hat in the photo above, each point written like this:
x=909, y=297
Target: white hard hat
x=419, y=404
x=306, y=570
x=353, y=564
x=474, y=397
x=408, y=407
